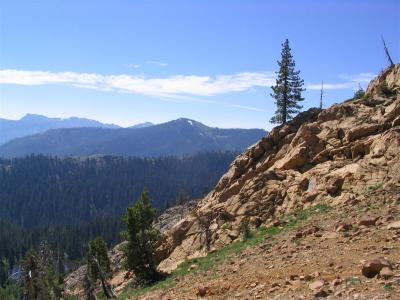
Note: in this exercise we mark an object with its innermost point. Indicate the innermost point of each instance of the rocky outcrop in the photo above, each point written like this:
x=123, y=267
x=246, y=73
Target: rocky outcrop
x=332, y=156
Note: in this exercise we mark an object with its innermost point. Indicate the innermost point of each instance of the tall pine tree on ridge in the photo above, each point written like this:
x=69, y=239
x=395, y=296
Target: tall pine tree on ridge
x=288, y=88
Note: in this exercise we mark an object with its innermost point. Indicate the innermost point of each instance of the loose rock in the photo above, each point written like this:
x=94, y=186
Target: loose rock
x=372, y=267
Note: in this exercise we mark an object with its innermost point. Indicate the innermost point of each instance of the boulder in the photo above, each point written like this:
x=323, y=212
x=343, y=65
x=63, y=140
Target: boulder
x=361, y=131
x=372, y=267
x=368, y=221
x=394, y=225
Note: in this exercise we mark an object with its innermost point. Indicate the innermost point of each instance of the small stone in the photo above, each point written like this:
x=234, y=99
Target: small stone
x=275, y=284
x=316, y=285
x=193, y=266
x=293, y=277
x=202, y=291
x=320, y=293
x=386, y=273
x=253, y=285
x=368, y=221
x=338, y=293
x=336, y=282
x=316, y=274
x=308, y=277
x=343, y=227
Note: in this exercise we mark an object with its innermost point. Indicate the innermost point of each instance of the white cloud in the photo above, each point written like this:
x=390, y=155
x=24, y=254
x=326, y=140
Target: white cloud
x=178, y=86
x=44, y=77
x=358, y=78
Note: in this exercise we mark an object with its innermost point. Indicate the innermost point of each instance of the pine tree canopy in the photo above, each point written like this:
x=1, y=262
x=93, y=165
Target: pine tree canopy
x=97, y=257
x=288, y=88
x=142, y=238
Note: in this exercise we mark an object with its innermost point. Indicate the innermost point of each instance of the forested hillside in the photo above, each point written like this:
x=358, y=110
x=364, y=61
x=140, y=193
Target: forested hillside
x=69, y=201
x=39, y=190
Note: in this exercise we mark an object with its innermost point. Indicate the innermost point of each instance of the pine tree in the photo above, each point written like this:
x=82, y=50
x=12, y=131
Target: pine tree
x=288, y=88
x=358, y=94
x=38, y=277
x=142, y=238
x=98, y=265
x=31, y=279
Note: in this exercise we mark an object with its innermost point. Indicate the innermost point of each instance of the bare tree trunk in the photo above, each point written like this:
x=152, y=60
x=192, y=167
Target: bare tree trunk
x=387, y=53
x=107, y=288
x=322, y=92
x=90, y=293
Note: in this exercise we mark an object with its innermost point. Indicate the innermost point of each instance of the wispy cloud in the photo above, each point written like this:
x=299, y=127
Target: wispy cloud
x=156, y=63
x=133, y=66
x=177, y=86
x=245, y=107
x=352, y=81
x=358, y=78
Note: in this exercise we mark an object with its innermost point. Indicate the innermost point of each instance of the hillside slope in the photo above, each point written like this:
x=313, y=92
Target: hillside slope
x=330, y=156
x=179, y=137
x=321, y=196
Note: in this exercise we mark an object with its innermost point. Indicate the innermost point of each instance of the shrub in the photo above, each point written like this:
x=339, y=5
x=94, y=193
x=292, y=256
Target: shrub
x=245, y=229
x=360, y=93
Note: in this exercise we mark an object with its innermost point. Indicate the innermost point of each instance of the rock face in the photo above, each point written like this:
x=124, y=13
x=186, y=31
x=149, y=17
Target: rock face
x=331, y=156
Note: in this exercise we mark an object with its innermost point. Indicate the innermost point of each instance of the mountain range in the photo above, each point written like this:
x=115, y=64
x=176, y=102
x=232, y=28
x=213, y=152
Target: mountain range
x=178, y=137
x=31, y=124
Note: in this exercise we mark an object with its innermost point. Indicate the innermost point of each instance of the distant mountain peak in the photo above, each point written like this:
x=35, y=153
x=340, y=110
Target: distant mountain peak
x=188, y=122
x=142, y=125
x=33, y=117
x=34, y=123
x=178, y=137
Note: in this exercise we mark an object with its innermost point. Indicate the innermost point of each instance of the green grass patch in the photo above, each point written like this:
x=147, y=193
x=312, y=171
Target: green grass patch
x=375, y=187
x=70, y=297
x=388, y=287
x=291, y=221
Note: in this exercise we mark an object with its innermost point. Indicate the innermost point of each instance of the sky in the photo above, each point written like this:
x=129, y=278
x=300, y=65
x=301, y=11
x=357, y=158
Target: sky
x=127, y=62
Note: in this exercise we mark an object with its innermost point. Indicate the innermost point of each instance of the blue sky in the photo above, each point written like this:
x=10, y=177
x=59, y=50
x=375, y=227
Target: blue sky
x=127, y=62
